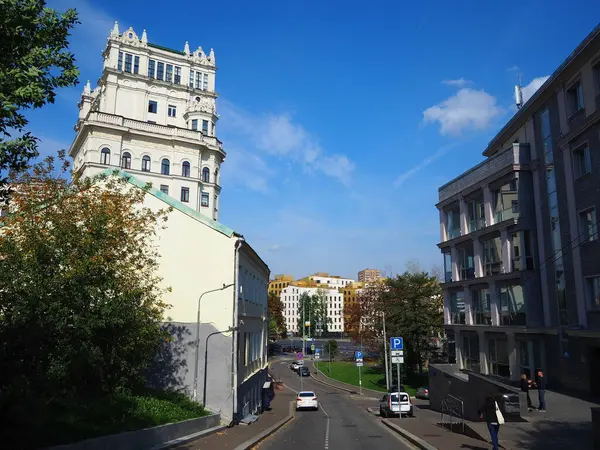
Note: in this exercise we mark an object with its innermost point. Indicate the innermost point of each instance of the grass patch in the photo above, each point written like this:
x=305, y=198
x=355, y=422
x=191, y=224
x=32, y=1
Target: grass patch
x=373, y=377
x=63, y=422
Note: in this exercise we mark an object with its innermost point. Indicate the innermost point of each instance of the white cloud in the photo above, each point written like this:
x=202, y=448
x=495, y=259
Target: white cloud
x=278, y=135
x=530, y=89
x=512, y=69
x=427, y=161
x=468, y=109
x=460, y=82
x=246, y=169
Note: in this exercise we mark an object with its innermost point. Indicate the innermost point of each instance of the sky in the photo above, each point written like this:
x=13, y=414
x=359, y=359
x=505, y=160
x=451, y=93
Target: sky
x=341, y=119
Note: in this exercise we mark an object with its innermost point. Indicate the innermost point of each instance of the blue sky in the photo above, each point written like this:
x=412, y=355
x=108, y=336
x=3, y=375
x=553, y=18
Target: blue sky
x=341, y=119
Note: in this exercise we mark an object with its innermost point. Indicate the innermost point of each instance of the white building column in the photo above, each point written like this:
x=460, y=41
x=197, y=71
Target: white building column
x=513, y=363
x=483, y=349
x=447, y=307
x=478, y=258
x=455, y=256
x=488, y=206
x=458, y=348
x=443, y=226
x=468, y=306
x=506, y=260
x=464, y=216
x=494, y=304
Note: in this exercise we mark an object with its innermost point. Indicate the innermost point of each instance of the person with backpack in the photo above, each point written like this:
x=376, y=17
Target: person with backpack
x=490, y=411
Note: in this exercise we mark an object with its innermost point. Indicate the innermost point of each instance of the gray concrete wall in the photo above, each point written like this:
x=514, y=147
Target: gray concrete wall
x=145, y=439
x=174, y=367
x=250, y=394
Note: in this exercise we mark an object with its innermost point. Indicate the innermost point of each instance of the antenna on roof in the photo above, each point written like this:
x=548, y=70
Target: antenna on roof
x=519, y=94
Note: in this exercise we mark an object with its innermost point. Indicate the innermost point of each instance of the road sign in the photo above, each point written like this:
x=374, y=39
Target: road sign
x=299, y=355
x=397, y=353
x=397, y=343
x=317, y=356
x=397, y=359
x=317, y=351
x=359, y=355
x=313, y=339
x=312, y=347
x=307, y=323
x=359, y=364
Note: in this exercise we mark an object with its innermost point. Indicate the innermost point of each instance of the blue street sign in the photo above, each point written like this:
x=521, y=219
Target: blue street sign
x=317, y=351
x=397, y=343
x=359, y=355
x=313, y=339
x=299, y=355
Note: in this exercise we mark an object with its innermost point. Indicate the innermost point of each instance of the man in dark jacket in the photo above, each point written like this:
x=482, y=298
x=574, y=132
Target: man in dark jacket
x=488, y=412
x=525, y=385
x=541, y=387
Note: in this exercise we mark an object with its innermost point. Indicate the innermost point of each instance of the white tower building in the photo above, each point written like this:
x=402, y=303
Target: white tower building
x=153, y=114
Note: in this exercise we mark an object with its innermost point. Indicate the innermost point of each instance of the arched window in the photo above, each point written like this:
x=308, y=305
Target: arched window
x=185, y=169
x=145, y=163
x=126, y=160
x=105, y=156
x=206, y=175
x=165, y=167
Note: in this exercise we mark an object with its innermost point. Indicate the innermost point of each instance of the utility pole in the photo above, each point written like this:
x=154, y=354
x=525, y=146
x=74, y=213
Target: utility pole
x=330, y=357
x=303, y=342
x=387, y=372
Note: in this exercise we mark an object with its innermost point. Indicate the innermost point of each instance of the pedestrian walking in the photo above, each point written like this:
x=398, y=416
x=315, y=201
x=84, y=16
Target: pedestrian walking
x=541, y=387
x=525, y=385
x=490, y=411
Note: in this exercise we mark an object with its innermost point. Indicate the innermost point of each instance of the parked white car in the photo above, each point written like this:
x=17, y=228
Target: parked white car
x=296, y=365
x=307, y=400
x=390, y=406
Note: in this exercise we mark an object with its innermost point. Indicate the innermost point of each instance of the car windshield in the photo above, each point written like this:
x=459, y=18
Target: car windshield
x=306, y=394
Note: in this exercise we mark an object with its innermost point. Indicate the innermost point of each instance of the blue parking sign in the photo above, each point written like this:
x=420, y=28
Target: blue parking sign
x=359, y=355
x=397, y=343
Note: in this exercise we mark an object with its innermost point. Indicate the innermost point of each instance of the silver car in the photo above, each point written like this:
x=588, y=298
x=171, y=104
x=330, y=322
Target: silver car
x=423, y=392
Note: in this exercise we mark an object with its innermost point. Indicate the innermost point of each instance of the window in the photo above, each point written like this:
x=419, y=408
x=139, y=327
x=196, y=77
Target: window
x=582, y=162
x=105, y=156
x=575, y=98
x=216, y=180
x=191, y=79
x=164, y=189
x=198, y=80
x=457, y=307
x=151, y=68
x=204, y=199
x=120, y=63
x=589, y=226
x=177, y=75
x=146, y=163
x=160, y=70
x=185, y=195
x=128, y=61
x=152, y=107
x=136, y=64
x=172, y=111
x=169, y=74
x=453, y=223
x=593, y=291
x=126, y=160
x=205, y=82
x=206, y=175
x=185, y=169
x=165, y=167
x=195, y=124
x=205, y=127
x=512, y=306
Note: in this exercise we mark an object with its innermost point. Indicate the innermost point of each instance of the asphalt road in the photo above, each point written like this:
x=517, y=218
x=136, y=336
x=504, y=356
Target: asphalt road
x=341, y=423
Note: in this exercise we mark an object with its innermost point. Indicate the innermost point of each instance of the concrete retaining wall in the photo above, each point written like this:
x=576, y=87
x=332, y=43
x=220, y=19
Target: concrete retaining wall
x=146, y=438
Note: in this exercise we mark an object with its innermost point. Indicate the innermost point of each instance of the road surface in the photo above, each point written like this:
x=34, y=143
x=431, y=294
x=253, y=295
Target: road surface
x=341, y=423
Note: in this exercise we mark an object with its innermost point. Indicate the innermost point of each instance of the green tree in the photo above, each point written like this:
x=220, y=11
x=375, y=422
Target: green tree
x=35, y=62
x=315, y=307
x=332, y=348
x=413, y=304
x=277, y=327
x=80, y=302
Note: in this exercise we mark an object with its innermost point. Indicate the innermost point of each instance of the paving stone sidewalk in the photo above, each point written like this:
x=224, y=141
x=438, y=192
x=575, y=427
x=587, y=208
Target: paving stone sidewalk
x=231, y=438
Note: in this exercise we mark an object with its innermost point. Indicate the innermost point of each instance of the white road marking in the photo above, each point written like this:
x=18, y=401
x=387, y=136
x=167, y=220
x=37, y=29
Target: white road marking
x=327, y=434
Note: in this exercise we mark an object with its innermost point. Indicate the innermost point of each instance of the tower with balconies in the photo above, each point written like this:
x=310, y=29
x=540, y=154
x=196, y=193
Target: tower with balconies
x=153, y=114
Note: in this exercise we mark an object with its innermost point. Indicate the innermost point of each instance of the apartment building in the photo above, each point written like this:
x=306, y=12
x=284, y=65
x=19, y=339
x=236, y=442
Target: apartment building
x=519, y=237
x=291, y=299
x=278, y=283
x=325, y=279
x=369, y=275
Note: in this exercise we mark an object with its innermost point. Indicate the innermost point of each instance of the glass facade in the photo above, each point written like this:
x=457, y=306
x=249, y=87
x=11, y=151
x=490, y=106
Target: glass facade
x=480, y=299
x=559, y=272
x=448, y=267
x=492, y=256
x=476, y=213
x=506, y=201
x=466, y=263
x=453, y=223
x=512, y=306
x=457, y=307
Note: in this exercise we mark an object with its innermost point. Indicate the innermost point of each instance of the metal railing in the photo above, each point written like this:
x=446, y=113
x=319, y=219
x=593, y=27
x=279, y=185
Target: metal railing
x=453, y=408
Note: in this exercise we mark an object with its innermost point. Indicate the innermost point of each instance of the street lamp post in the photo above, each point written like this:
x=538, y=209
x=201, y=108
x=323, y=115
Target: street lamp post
x=225, y=286
x=387, y=380
x=229, y=330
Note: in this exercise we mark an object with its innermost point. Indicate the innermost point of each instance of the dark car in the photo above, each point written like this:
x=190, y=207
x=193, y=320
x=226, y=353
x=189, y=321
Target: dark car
x=304, y=371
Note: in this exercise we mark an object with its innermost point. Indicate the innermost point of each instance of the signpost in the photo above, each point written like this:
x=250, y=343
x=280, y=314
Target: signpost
x=397, y=354
x=359, y=364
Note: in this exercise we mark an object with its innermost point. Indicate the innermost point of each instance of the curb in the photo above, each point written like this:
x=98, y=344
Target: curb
x=256, y=439
x=190, y=437
x=409, y=436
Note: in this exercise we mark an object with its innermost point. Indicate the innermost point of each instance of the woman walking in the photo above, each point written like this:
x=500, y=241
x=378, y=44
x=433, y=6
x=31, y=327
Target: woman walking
x=490, y=411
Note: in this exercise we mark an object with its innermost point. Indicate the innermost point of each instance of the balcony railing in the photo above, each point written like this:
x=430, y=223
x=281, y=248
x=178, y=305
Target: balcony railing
x=514, y=155
x=493, y=268
x=453, y=233
x=467, y=273
x=476, y=224
x=112, y=119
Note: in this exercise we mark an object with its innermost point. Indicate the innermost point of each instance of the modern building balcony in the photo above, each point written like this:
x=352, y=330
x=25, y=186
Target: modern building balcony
x=167, y=131
x=514, y=158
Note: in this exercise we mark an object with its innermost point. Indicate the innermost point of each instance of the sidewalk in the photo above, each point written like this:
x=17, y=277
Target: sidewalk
x=245, y=436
